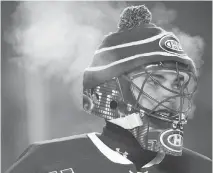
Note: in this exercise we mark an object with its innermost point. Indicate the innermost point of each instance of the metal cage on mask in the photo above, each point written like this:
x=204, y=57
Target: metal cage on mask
x=114, y=99
x=183, y=92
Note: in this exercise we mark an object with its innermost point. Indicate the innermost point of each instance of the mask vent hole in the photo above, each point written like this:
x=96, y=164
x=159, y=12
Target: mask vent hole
x=113, y=104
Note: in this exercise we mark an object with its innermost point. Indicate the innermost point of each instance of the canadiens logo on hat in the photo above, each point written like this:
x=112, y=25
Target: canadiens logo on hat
x=170, y=44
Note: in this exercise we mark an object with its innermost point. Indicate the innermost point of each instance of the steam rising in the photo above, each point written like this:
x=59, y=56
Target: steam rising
x=59, y=37
x=192, y=45
x=162, y=16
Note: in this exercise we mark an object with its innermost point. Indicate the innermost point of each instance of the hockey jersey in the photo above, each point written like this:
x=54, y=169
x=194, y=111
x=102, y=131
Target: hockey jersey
x=86, y=153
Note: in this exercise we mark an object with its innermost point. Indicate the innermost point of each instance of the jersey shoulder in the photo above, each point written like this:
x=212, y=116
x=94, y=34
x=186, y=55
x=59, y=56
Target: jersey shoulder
x=195, y=155
x=50, y=154
x=189, y=162
x=63, y=140
x=58, y=143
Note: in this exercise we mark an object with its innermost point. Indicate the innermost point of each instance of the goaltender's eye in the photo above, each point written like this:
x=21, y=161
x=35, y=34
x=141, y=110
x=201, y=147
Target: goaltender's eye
x=178, y=84
x=152, y=82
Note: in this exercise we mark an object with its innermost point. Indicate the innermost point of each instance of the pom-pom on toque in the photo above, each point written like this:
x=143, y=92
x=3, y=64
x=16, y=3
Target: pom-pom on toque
x=134, y=16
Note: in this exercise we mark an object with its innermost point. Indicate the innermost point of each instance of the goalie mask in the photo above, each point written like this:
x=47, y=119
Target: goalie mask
x=143, y=81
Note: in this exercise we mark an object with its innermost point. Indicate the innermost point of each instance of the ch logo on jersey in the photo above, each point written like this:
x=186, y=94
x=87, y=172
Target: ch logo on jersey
x=172, y=140
x=176, y=140
x=170, y=44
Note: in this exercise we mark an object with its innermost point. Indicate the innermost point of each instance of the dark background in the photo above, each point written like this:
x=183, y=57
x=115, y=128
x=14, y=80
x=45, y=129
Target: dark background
x=25, y=94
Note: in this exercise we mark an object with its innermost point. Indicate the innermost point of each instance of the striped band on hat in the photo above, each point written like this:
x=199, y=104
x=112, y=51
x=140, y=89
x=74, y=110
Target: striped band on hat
x=123, y=51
